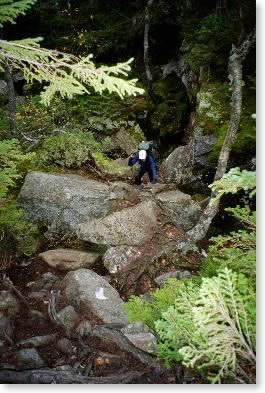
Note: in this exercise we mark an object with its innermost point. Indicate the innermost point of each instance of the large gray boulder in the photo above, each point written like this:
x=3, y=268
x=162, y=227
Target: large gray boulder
x=132, y=226
x=67, y=200
x=93, y=297
x=185, y=211
x=122, y=141
x=67, y=259
x=177, y=167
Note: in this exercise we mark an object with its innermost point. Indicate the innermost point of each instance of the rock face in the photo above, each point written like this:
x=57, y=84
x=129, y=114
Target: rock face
x=186, y=211
x=177, y=167
x=93, y=297
x=132, y=226
x=66, y=259
x=68, y=200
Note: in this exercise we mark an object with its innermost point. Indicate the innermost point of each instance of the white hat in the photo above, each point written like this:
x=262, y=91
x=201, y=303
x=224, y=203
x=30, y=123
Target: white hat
x=142, y=154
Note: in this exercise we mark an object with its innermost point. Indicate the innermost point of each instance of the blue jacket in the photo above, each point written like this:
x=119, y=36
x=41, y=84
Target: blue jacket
x=147, y=165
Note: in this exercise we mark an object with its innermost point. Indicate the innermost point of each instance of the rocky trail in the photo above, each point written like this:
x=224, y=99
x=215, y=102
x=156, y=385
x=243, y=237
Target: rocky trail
x=62, y=316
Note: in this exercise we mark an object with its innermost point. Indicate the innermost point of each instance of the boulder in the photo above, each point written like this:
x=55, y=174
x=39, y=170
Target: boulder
x=29, y=358
x=124, y=142
x=132, y=226
x=177, y=167
x=68, y=200
x=179, y=274
x=186, y=212
x=93, y=297
x=118, y=258
x=67, y=259
x=141, y=337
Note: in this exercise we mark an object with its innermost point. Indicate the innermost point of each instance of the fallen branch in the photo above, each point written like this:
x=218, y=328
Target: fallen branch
x=49, y=376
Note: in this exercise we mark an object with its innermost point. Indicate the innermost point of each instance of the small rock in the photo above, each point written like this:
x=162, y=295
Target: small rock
x=29, y=358
x=8, y=303
x=66, y=259
x=5, y=327
x=181, y=275
x=39, y=296
x=84, y=328
x=65, y=346
x=140, y=336
x=136, y=327
x=38, y=341
x=117, y=258
x=68, y=317
x=46, y=281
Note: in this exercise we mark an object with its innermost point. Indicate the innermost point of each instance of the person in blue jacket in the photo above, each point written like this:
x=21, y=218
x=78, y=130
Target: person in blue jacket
x=147, y=164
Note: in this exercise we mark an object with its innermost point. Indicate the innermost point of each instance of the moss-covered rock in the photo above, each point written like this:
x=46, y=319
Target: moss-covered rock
x=213, y=114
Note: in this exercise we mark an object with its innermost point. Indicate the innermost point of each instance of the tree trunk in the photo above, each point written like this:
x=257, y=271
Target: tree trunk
x=237, y=55
x=11, y=100
x=146, y=44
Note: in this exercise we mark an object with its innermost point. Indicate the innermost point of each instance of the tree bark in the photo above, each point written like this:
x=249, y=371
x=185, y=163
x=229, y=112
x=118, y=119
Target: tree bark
x=11, y=100
x=237, y=55
x=146, y=43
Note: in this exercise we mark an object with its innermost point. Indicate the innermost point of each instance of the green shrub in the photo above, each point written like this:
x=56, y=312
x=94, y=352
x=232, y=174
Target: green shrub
x=108, y=165
x=138, y=309
x=68, y=149
x=18, y=236
x=12, y=164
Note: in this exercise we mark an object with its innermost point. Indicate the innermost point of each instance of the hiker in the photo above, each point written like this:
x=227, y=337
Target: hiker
x=146, y=159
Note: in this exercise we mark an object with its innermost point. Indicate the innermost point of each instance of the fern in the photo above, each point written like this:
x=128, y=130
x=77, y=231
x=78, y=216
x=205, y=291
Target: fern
x=11, y=157
x=233, y=181
x=224, y=319
x=244, y=215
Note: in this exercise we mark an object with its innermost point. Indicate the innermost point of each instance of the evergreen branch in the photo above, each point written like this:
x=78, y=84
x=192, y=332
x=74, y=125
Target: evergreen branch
x=65, y=74
x=10, y=10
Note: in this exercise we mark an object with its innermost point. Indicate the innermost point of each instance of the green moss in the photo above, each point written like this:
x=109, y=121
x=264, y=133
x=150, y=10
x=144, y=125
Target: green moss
x=109, y=166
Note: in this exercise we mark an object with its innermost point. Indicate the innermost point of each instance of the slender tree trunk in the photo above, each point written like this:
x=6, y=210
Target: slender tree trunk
x=146, y=43
x=235, y=75
x=237, y=55
x=11, y=100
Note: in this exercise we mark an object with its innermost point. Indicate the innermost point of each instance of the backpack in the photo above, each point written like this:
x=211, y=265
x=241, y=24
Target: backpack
x=151, y=149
